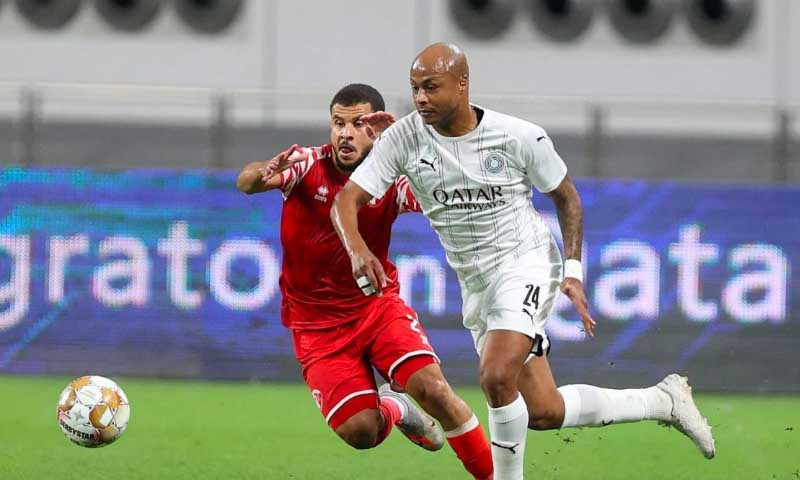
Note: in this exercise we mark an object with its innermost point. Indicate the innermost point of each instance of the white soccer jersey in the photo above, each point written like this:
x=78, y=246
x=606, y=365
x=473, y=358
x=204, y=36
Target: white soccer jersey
x=474, y=189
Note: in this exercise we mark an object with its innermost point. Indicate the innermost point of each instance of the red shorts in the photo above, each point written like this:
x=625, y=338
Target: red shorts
x=337, y=362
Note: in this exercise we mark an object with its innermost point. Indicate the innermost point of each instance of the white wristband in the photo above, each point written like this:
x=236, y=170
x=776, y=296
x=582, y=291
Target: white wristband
x=573, y=269
x=365, y=286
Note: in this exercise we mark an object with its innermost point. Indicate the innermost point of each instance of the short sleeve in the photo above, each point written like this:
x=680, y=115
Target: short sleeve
x=406, y=201
x=294, y=174
x=382, y=166
x=544, y=167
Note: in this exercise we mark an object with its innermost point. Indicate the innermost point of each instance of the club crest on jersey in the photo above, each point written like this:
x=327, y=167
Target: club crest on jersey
x=494, y=162
x=322, y=193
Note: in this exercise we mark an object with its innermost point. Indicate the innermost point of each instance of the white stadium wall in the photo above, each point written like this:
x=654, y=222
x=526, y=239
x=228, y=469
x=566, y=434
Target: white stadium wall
x=87, y=50
x=302, y=50
x=790, y=39
x=600, y=63
x=312, y=45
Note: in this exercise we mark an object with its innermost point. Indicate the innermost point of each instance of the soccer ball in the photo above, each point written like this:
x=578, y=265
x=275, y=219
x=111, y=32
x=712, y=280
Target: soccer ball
x=93, y=411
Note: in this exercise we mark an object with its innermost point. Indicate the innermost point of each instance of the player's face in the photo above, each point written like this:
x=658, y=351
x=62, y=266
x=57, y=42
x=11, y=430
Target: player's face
x=436, y=96
x=349, y=138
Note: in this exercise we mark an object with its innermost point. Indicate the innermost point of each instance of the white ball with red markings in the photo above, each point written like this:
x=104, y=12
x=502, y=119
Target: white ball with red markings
x=93, y=411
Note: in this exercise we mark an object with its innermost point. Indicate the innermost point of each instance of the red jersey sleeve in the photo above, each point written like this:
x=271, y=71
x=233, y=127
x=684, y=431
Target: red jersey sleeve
x=406, y=201
x=294, y=174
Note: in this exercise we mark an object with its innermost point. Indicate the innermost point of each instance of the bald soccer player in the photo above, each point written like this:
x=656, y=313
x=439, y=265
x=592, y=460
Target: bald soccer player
x=472, y=170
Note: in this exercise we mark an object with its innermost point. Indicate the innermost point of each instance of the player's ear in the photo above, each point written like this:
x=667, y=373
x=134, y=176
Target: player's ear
x=463, y=82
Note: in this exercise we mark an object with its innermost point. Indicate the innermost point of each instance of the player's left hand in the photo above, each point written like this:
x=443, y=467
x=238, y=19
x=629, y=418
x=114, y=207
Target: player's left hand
x=377, y=122
x=573, y=288
x=368, y=272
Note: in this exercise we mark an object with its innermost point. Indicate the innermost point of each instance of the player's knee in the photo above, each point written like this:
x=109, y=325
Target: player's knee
x=360, y=432
x=432, y=390
x=498, y=384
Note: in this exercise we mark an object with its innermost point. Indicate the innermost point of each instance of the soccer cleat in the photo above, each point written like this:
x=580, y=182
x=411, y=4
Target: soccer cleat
x=686, y=418
x=418, y=427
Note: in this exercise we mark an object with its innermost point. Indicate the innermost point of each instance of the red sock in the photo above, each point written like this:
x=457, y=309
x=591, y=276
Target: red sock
x=471, y=447
x=391, y=415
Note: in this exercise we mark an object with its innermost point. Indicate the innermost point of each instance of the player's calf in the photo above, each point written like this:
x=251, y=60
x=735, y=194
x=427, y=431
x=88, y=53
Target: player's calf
x=429, y=390
x=545, y=408
x=547, y=419
x=432, y=392
x=363, y=430
x=462, y=429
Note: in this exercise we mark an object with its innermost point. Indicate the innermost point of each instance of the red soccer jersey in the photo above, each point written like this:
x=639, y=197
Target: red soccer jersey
x=316, y=278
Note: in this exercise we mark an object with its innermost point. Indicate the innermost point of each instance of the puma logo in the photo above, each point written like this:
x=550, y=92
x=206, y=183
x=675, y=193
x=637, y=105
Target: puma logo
x=526, y=312
x=511, y=448
x=430, y=164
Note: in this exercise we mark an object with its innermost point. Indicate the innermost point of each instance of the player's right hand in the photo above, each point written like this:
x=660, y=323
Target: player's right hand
x=573, y=288
x=281, y=162
x=368, y=272
x=377, y=122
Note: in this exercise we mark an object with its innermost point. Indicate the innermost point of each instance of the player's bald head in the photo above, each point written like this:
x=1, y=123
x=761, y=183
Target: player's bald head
x=440, y=84
x=441, y=58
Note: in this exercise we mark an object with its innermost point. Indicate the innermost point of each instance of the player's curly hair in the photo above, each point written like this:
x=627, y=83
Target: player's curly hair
x=356, y=93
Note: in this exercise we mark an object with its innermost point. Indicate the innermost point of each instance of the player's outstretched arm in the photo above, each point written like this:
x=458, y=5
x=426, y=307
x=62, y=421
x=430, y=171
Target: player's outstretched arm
x=570, y=219
x=344, y=215
x=257, y=177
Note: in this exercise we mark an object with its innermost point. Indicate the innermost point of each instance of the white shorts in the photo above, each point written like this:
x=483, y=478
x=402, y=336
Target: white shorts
x=519, y=298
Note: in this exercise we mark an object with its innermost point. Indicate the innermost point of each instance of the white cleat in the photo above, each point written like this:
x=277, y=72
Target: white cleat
x=686, y=418
x=418, y=427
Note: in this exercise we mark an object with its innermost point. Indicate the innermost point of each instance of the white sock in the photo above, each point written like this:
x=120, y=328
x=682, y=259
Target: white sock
x=589, y=406
x=508, y=428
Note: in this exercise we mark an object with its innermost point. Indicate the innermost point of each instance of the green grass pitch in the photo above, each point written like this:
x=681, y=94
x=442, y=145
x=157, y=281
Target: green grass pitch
x=194, y=430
